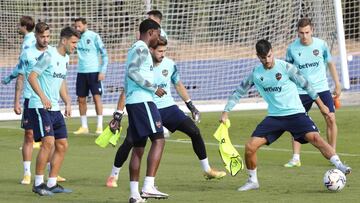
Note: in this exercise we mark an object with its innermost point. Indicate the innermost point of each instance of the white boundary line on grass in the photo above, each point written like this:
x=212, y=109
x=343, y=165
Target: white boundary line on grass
x=263, y=148
x=185, y=141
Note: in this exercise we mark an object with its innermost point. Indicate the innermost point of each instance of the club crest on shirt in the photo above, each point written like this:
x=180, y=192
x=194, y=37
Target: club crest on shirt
x=278, y=76
x=299, y=53
x=58, y=63
x=88, y=41
x=262, y=78
x=158, y=124
x=316, y=52
x=165, y=72
x=151, y=68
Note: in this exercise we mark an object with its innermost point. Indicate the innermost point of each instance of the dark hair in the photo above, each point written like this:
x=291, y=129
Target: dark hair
x=68, y=32
x=155, y=13
x=263, y=47
x=28, y=22
x=303, y=22
x=82, y=20
x=41, y=27
x=148, y=24
x=161, y=42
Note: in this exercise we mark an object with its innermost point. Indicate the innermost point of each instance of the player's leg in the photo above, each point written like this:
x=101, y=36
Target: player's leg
x=60, y=148
x=42, y=131
x=331, y=127
x=99, y=113
x=303, y=129
x=295, y=160
x=251, y=148
x=82, y=91
x=27, y=150
x=266, y=132
x=120, y=157
x=327, y=151
x=95, y=87
x=188, y=127
x=134, y=171
x=153, y=161
x=27, y=147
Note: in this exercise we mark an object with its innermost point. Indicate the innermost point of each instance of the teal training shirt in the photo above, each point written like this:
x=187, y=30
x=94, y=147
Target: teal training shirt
x=28, y=59
x=311, y=61
x=278, y=87
x=29, y=41
x=51, y=68
x=139, y=74
x=89, y=47
x=165, y=74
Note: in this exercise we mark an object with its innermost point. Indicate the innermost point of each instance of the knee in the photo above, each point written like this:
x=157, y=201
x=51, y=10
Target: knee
x=29, y=138
x=82, y=100
x=250, y=148
x=61, y=146
x=331, y=120
x=47, y=144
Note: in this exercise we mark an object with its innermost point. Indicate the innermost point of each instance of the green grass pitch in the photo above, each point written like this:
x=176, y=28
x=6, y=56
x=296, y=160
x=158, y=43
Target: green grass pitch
x=87, y=166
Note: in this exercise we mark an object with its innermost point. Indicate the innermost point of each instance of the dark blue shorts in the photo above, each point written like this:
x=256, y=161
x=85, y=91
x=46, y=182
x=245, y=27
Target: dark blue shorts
x=48, y=123
x=144, y=121
x=86, y=82
x=25, y=120
x=325, y=97
x=272, y=127
x=172, y=117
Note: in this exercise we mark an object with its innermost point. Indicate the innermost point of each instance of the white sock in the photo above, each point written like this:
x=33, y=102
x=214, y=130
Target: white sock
x=205, y=165
x=51, y=182
x=134, y=189
x=253, y=175
x=39, y=179
x=336, y=161
x=115, y=172
x=48, y=166
x=99, y=121
x=148, y=182
x=84, y=121
x=296, y=157
x=27, y=170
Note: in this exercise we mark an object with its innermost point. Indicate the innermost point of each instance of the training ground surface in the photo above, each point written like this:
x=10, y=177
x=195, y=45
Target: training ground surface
x=87, y=166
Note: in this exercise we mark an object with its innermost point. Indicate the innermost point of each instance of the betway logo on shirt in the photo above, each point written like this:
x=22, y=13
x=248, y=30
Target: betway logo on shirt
x=163, y=85
x=83, y=49
x=309, y=65
x=59, y=75
x=272, y=89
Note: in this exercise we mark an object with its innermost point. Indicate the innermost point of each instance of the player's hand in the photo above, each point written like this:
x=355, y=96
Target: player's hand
x=114, y=124
x=160, y=92
x=337, y=91
x=46, y=103
x=101, y=76
x=195, y=114
x=67, y=113
x=224, y=117
x=17, y=109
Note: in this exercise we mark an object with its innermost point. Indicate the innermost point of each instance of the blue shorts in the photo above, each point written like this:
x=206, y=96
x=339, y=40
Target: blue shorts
x=144, y=121
x=48, y=123
x=86, y=82
x=172, y=117
x=26, y=123
x=272, y=127
x=325, y=97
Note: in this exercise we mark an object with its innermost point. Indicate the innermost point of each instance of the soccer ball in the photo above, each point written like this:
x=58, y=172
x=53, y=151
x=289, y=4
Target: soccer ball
x=334, y=180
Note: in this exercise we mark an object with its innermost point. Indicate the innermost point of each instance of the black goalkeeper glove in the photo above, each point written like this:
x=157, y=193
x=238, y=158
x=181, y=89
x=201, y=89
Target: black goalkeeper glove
x=195, y=114
x=114, y=124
